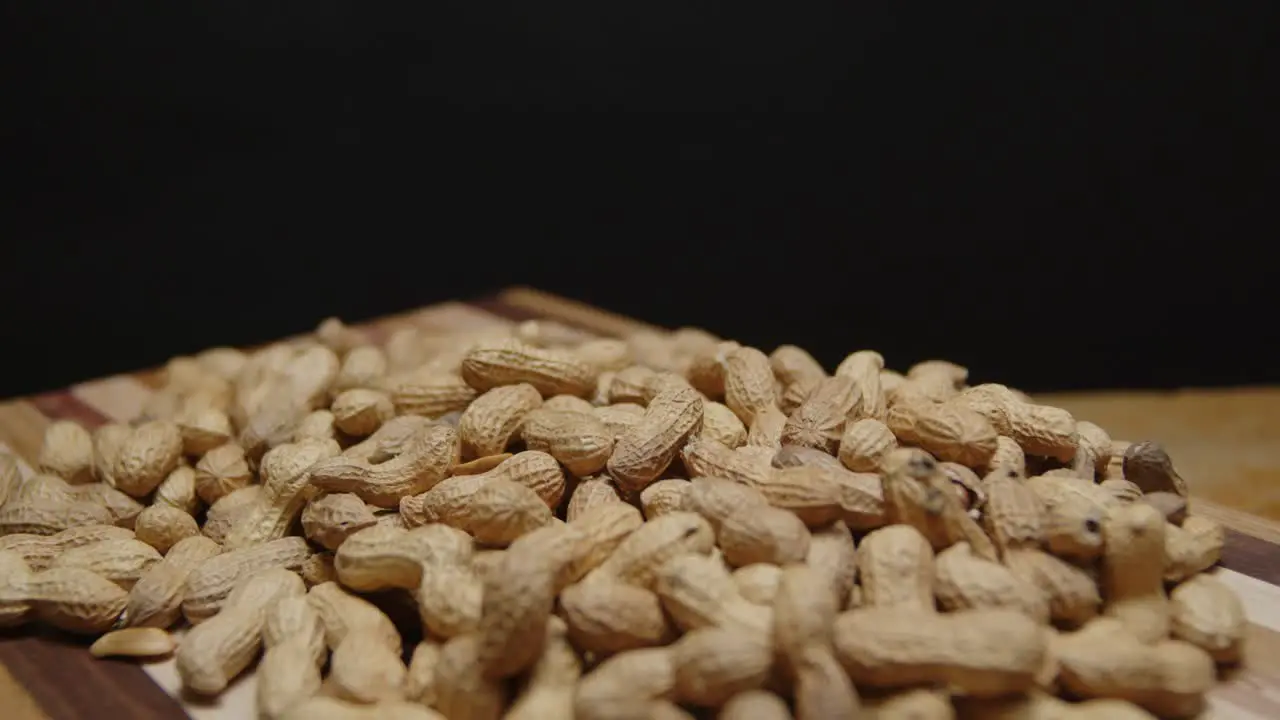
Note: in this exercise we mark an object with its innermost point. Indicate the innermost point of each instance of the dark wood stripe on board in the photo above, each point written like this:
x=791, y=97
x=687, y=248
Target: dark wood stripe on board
x=58, y=672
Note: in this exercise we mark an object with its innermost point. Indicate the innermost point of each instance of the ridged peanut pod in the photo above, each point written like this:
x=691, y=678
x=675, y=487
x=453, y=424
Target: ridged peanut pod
x=1071, y=592
x=620, y=417
x=223, y=515
x=602, y=529
x=289, y=673
x=363, y=366
x=286, y=487
x=452, y=498
x=625, y=686
x=579, y=441
x=963, y=582
x=611, y=617
x=639, y=557
x=39, y=551
x=716, y=499
x=705, y=370
x=604, y=354
x=983, y=653
x=810, y=493
x=359, y=412
x=382, y=558
x=122, y=562
x=765, y=534
x=491, y=420
x=1008, y=456
x=213, y=653
x=39, y=516
x=463, y=692
x=156, y=599
x=1133, y=572
x=178, y=491
x=748, y=383
x=708, y=458
x=1207, y=614
x=71, y=599
x=1093, y=449
x=389, y=440
x=791, y=364
x=819, y=421
x=766, y=429
x=14, y=573
x=552, y=372
x=343, y=613
x=1148, y=466
x=1013, y=515
x=591, y=493
x=429, y=392
x=146, y=457
x=754, y=705
x=67, y=451
x=331, y=518
x=364, y=670
x=1074, y=512
x=629, y=385
x=643, y=452
x=1167, y=677
x=954, y=433
x=222, y=471
x=833, y=555
x=720, y=424
x=209, y=584
x=698, y=591
x=1193, y=547
x=665, y=496
x=202, y=429
x=10, y=476
x=864, y=368
x=918, y=493
x=865, y=444
x=941, y=380
x=713, y=664
x=519, y=599
x=897, y=568
x=501, y=511
x=552, y=681
x=424, y=463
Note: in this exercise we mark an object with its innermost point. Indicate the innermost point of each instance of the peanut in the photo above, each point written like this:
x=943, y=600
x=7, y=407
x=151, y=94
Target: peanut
x=133, y=642
x=424, y=463
x=902, y=499
x=209, y=584
x=983, y=653
x=647, y=448
x=551, y=372
x=214, y=652
x=67, y=451
x=162, y=526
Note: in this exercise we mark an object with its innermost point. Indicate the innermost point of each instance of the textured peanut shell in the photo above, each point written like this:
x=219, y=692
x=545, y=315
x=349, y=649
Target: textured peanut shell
x=647, y=448
x=427, y=460
x=491, y=420
x=983, y=653
x=209, y=584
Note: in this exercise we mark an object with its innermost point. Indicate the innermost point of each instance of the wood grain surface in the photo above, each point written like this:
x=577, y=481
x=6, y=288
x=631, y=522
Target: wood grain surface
x=1226, y=443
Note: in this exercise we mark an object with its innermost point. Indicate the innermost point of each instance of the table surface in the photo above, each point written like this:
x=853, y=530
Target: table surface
x=1226, y=443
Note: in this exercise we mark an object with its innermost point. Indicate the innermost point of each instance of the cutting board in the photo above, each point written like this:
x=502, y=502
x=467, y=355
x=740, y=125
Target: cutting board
x=1226, y=443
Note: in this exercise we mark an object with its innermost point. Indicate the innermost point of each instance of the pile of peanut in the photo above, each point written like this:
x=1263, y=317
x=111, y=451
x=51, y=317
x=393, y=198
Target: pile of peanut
x=529, y=523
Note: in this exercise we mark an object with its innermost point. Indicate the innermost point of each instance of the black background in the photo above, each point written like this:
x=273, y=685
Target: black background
x=1059, y=197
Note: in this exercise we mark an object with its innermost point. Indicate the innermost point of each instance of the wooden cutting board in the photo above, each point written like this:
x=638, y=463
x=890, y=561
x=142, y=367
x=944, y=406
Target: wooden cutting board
x=1226, y=443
